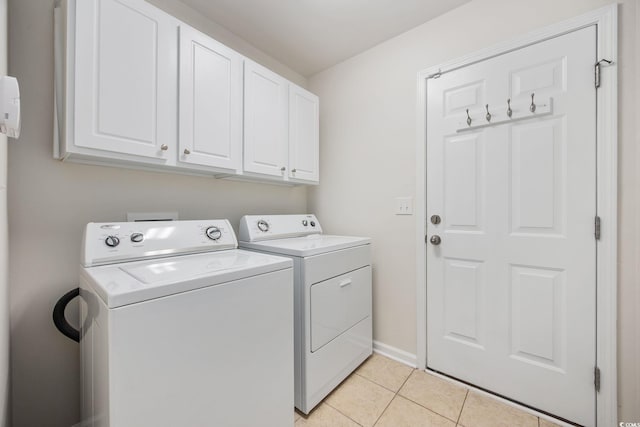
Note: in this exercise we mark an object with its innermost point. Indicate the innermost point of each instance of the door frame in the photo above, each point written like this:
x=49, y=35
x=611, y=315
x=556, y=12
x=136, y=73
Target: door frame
x=606, y=21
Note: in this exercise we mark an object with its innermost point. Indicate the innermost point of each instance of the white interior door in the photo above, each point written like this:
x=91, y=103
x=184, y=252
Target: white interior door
x=511, y=288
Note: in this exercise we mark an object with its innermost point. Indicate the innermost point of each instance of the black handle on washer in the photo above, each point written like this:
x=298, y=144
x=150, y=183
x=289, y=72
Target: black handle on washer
x=58, y=315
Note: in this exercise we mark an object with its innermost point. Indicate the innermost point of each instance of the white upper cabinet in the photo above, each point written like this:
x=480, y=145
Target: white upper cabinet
x=125, y=79
x=136, y=87
x=281, y=138
x=303, y=135
x=210, y=118
x=266, y=118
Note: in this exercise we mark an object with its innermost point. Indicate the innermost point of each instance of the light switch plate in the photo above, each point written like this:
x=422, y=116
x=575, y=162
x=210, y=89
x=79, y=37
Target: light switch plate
x=404, y=205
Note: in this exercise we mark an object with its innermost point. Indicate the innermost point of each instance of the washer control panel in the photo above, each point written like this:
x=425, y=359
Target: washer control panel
x=106, y=243
x=254, y=228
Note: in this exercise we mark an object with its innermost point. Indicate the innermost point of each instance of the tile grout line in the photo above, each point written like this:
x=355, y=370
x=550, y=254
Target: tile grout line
x=431, y=410
x=395, y=394
x=383, y=386
x=340, y=412
x=462, y=408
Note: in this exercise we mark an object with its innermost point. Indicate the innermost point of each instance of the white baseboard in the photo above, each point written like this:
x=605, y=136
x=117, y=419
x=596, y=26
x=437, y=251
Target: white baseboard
x=396, y=354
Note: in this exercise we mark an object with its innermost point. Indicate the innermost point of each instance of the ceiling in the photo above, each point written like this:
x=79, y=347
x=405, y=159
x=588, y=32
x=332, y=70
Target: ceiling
x=312, y=35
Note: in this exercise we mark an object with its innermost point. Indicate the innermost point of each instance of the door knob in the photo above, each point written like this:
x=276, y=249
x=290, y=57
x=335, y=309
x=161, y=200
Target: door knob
x=164, y=147
x=435, y=240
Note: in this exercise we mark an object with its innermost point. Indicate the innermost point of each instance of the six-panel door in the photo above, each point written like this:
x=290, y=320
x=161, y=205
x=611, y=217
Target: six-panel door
x=511, y=287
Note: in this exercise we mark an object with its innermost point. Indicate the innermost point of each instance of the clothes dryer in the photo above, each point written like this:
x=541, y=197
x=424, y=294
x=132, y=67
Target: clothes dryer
x=333, y=327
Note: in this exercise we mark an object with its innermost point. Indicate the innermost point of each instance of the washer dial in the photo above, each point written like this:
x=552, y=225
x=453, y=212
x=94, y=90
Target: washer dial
x=263, y=225
x=137, y=237
x=213, y=233
x=112, y=241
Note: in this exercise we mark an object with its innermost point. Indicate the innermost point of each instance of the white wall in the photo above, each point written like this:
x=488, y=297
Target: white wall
x=4, y=290
x=220, y=33
x=368, y=146
x=50, y=201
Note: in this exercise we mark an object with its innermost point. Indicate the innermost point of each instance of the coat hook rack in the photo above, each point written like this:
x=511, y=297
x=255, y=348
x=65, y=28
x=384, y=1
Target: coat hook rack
x=523, y=110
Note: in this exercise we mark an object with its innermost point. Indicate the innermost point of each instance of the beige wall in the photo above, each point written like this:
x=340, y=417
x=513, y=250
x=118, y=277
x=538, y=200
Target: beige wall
x=50, y=201
x=4, y=291
x=368, y=146
x=368, y=131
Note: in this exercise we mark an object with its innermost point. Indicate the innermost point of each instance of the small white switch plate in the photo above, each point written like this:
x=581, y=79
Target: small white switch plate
x=404, y=205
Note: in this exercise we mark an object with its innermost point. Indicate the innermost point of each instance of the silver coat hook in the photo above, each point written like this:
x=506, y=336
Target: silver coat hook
x=532, y=107
x=468, y=118
x=509, y=110
x=488, y=116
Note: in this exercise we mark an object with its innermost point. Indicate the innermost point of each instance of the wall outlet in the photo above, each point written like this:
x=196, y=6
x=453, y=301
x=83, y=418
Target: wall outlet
x=404, y=205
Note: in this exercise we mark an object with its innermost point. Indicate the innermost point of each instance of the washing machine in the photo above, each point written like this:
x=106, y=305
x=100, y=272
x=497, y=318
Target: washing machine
x=332, y=294
x=181, y=328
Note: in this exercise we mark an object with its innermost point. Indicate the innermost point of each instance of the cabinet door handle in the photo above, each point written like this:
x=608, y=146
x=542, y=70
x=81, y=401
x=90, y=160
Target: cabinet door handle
x=164, y=147
x=345, y=283
x=282, y=169
x=294, y=170
x=186, y=151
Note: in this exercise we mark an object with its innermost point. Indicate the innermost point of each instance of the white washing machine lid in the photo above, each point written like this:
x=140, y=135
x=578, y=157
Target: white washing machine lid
x=313, y=244
x=133, y=282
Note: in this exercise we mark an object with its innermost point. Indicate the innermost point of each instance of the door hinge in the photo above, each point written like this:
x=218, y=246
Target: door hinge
x=597, y=228
x=597, y=70
x=596, y=378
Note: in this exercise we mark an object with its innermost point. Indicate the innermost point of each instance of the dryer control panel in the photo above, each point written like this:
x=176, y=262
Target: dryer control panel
x=255, y=228
x=107, y=243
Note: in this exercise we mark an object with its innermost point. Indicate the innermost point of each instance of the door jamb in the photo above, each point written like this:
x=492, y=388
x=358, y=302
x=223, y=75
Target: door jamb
x=606, y=21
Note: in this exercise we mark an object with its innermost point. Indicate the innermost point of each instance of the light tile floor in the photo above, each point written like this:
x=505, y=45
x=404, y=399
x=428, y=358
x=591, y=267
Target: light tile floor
x=385, y=393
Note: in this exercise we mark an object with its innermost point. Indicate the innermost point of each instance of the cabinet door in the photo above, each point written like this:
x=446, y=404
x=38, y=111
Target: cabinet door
x=210, y=102
x=126, y=77
x=303, y=135
x=266, y=97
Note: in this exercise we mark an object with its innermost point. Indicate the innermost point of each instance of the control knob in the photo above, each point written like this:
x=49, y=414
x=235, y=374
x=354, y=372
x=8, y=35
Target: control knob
x=313, y=223
x=137, y=237
x=263, y=225
x=305, y=222
x=112, y=241
x=213, y=233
